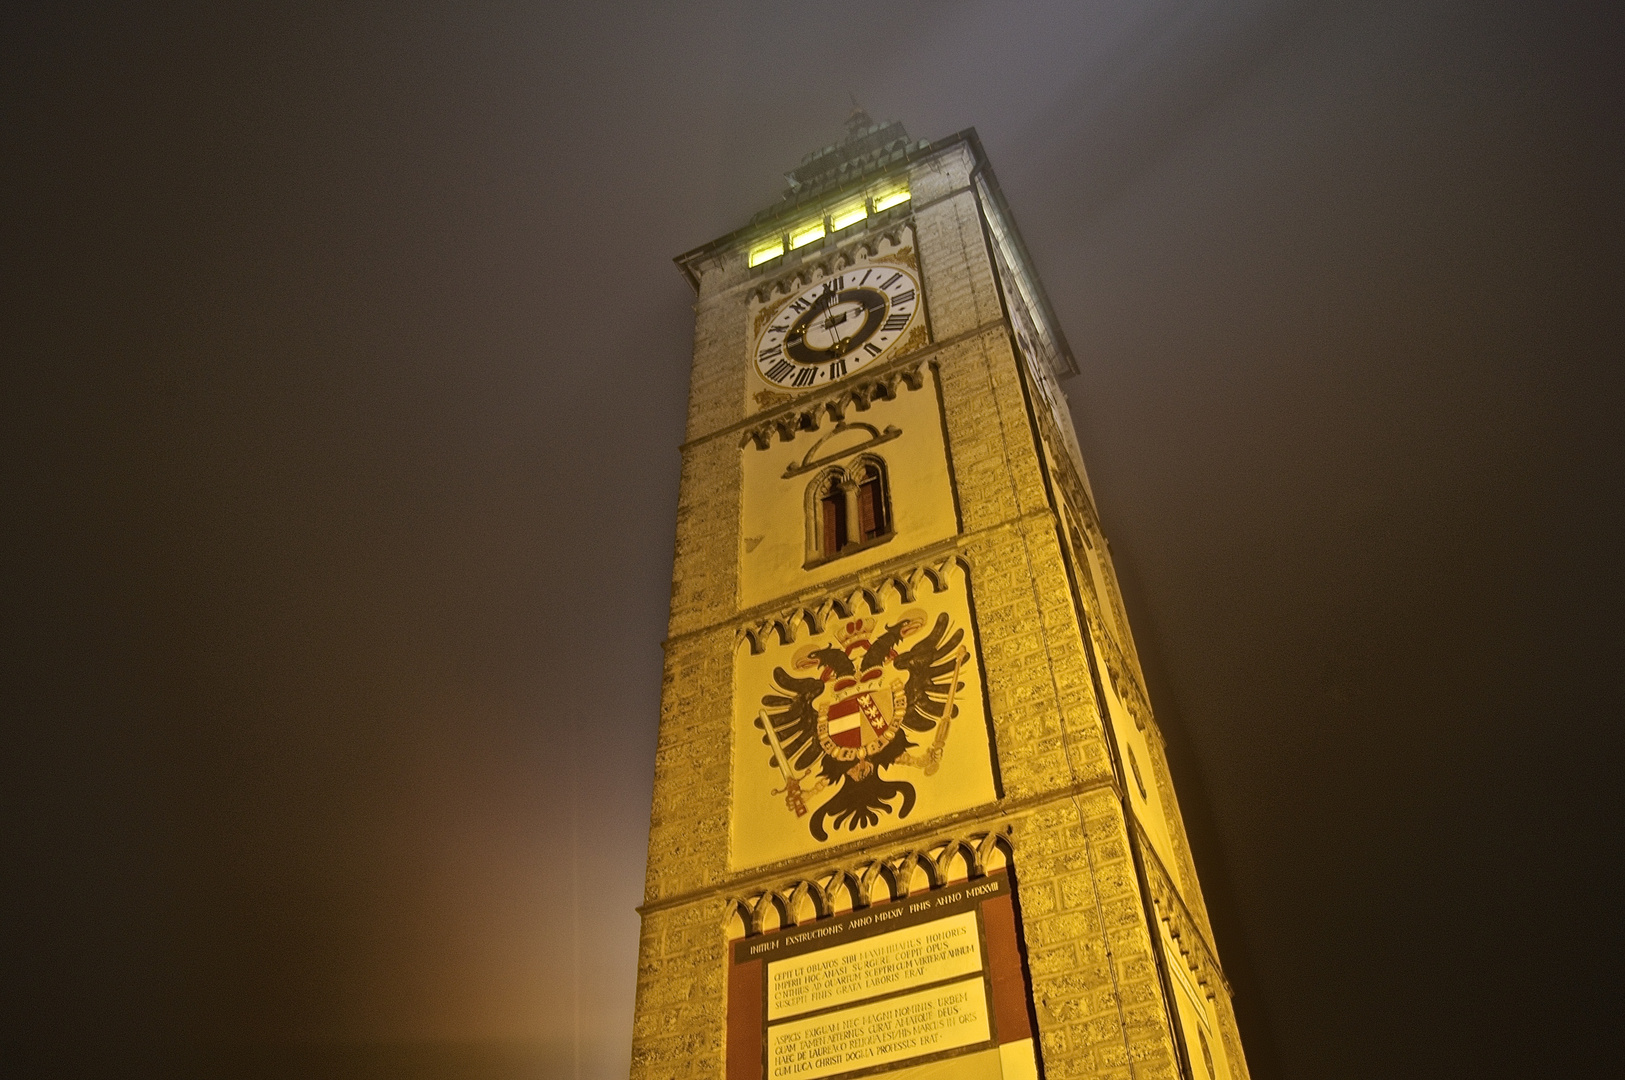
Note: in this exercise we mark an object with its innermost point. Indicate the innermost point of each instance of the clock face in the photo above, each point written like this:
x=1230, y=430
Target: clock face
x=838, y=326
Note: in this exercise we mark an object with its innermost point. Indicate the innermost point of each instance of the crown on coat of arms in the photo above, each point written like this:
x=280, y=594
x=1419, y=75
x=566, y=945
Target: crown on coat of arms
x=854, y=632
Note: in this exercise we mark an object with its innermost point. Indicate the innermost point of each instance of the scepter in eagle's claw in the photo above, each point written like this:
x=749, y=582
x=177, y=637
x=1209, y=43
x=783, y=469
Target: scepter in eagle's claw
x=933, y=756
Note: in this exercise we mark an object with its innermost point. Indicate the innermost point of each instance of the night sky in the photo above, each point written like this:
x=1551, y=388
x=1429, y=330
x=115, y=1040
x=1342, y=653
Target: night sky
x=345, y=368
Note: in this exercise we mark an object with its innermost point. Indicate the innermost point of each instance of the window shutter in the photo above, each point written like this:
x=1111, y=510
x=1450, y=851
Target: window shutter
x=872, y=504
x=830, y=510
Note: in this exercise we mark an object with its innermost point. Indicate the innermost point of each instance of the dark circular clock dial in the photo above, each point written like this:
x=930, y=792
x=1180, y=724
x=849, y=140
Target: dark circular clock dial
x=838, y=326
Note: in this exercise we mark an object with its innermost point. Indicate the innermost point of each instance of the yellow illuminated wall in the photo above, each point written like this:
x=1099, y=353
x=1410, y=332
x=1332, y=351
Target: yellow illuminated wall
x=764, y=827
x=905, y=433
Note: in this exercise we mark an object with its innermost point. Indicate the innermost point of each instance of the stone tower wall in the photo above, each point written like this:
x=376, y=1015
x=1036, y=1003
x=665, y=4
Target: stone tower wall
x=1091, y=886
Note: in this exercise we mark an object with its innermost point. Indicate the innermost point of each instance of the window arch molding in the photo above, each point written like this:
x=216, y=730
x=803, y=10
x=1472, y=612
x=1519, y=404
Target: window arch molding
x=848, y=508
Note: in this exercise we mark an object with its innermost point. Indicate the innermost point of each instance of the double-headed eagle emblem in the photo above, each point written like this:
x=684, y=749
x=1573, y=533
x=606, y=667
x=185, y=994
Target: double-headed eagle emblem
x=852, y=719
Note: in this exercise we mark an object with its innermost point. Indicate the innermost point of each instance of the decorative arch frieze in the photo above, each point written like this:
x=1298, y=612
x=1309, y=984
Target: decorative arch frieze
x=1182, y=928
x=871, y=881
x=1066, y=475
x=1120, y=669
x=865, y=246
x=786, y=624
x=811, y=416
x=1123, y=681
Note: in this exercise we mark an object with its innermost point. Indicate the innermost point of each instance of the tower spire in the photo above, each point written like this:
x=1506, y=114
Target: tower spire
x=858, y=122
x=864, y=148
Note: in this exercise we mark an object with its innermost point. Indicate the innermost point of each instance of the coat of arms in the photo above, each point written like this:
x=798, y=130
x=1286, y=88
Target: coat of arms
x=849, y=722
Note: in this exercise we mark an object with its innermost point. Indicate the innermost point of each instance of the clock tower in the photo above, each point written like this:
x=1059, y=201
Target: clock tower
x=912, y=810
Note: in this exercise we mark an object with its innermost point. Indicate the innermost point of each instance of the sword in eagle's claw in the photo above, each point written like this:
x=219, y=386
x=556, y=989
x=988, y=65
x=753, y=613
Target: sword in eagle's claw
x=933, y=756
x=792, y=783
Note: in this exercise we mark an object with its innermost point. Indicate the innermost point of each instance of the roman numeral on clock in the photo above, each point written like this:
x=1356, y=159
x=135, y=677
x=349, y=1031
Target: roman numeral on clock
x=781, y=371
x=767, y=354
x=896, y=322
x=889, y=282
x=805, y=376
x=869, y=347
x=837, y=368
x=903, y=298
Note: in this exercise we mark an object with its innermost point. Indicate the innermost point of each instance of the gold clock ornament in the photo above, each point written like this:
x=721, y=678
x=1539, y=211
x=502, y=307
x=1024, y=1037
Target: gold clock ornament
x=838, y=326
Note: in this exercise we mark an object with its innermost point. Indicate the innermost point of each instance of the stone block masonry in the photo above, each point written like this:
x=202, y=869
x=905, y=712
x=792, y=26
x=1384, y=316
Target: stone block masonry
x=1096, y=904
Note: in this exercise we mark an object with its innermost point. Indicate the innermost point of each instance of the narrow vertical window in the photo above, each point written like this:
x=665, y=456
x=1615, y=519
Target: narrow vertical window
x=871, y=503
x=832, y=519
x=1134, y=765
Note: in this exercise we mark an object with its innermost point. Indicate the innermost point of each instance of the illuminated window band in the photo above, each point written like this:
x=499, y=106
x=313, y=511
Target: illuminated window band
x=842, y=217
x=891, y=199
x=763, y=252
x=847, y=215
x=806, y=235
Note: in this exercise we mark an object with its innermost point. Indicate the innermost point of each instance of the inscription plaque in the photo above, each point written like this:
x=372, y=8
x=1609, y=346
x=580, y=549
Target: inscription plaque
x=879, y=1033
x=898, y=960
x=895, y=986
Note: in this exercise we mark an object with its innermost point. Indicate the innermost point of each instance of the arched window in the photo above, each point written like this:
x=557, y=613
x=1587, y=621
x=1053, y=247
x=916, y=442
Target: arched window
x=832, y=515
x=871, y=502
x=1207, y=1054
x=1139, y=782
x=848, y=509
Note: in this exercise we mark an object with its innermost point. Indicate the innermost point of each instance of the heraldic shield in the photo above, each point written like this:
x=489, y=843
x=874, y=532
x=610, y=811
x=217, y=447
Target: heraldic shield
x=864, y=722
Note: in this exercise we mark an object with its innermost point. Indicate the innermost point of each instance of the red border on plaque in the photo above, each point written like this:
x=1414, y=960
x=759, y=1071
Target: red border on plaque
x=1003, y=971
x=745, y=1028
